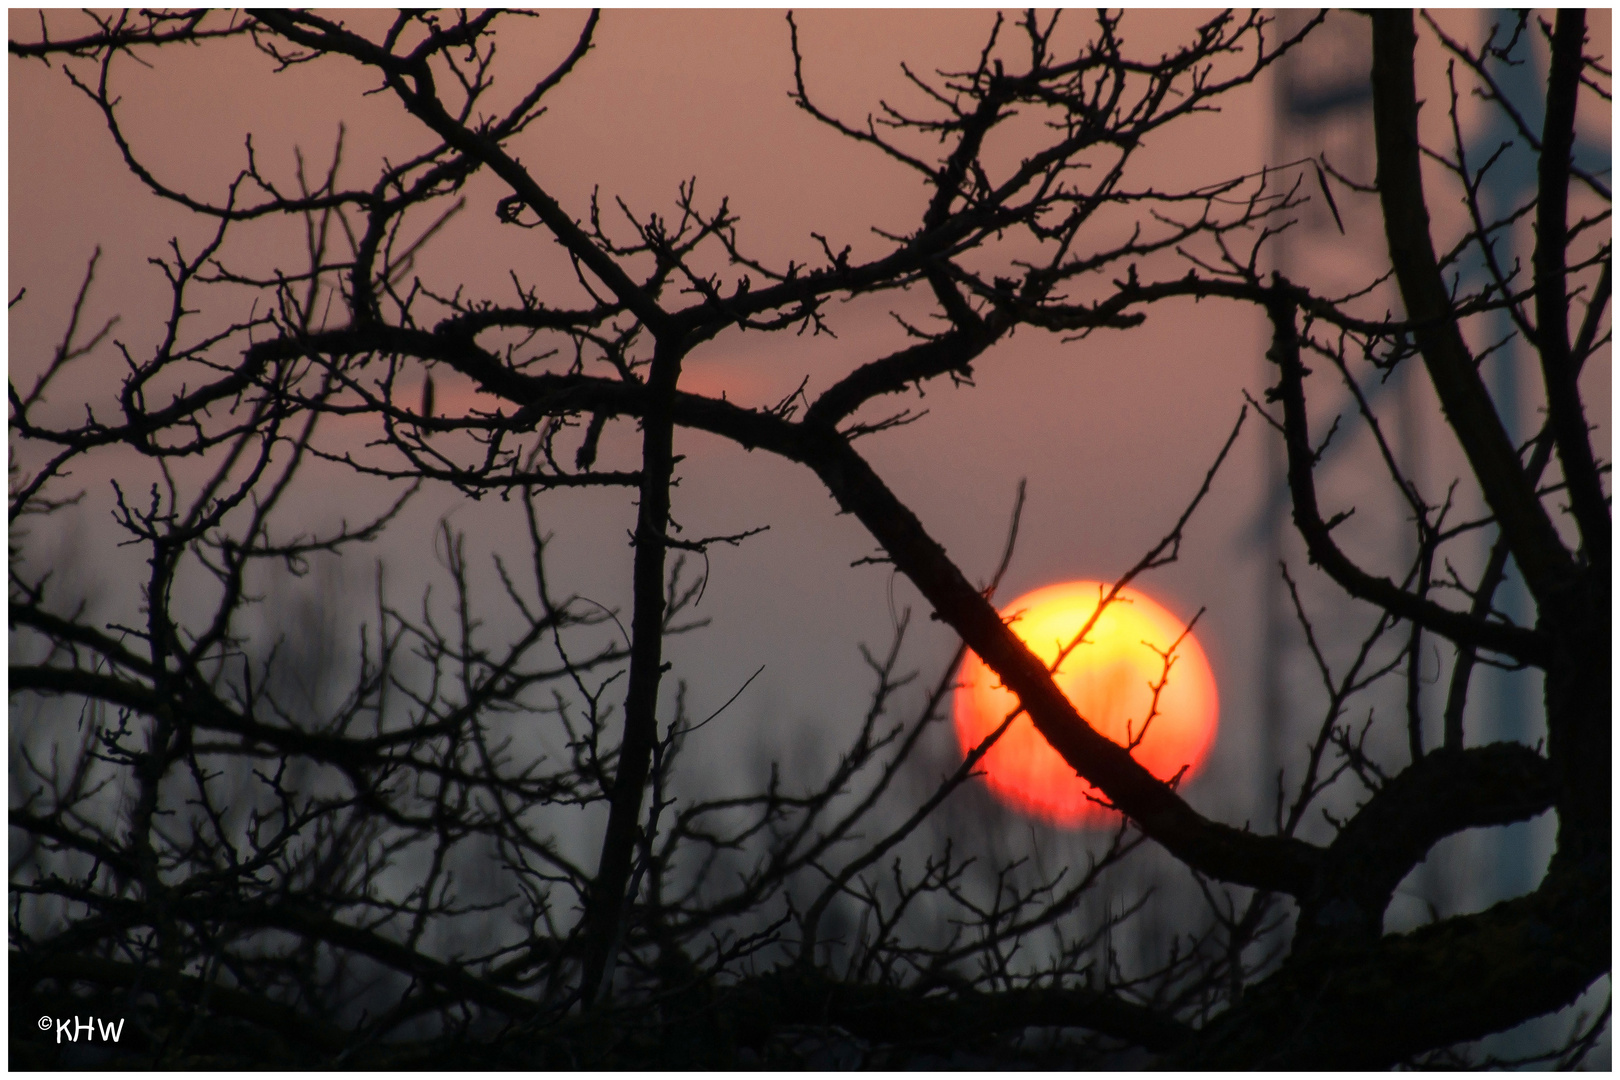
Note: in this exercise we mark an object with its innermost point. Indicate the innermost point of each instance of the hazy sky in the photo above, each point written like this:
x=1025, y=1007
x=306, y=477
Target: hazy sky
x=1113, y=433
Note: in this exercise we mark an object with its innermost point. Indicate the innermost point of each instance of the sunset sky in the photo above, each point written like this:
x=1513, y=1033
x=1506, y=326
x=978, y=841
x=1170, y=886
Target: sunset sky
x=1113, y=433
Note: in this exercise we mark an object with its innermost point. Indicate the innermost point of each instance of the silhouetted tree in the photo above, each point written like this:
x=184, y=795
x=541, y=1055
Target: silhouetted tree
x=257, y=868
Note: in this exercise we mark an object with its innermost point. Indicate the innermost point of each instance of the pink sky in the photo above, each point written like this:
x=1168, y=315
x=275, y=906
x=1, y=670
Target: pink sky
x=1113, y=433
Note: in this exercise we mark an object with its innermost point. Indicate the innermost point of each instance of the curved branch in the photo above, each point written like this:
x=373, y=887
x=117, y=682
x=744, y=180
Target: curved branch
x=1267, y=862
x=953, y=352
x=1521, y=644
x=1463, y=397
x=1440, y=794
x=1449, y=982
x=1564, y=412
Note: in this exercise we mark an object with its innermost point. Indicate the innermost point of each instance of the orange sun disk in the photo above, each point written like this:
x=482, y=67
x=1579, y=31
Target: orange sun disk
x=1109, y=678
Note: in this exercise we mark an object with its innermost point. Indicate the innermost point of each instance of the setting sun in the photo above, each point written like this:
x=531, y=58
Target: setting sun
x=1110, y=679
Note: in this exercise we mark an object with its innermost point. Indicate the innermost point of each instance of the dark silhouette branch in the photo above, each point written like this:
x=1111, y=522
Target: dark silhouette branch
x=1463, y=397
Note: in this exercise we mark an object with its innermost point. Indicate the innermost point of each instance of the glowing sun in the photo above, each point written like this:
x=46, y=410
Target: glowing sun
x=1110, y=679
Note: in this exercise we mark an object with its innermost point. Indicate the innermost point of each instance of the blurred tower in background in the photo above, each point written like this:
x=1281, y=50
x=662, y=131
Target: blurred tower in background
x=1509, y=698
x=1322, y=107
x=1511, y=705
